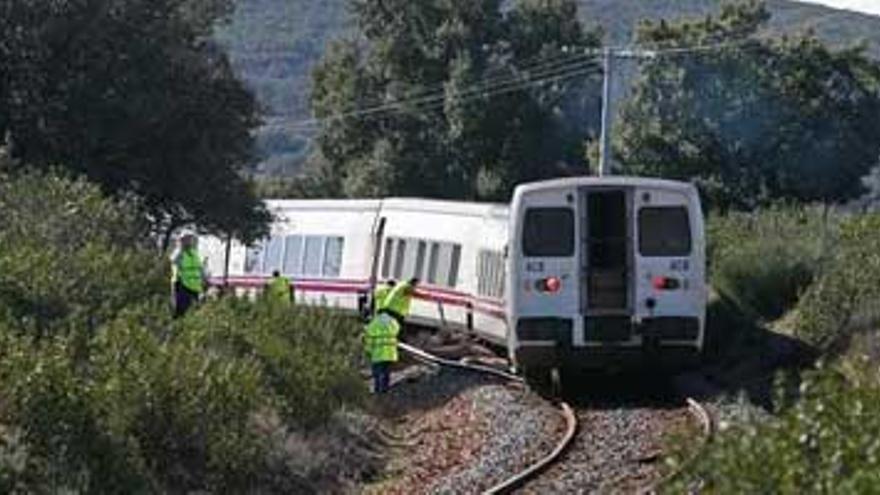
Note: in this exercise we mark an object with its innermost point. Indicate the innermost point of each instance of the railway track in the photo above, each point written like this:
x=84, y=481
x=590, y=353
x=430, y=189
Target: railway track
x=528, y=476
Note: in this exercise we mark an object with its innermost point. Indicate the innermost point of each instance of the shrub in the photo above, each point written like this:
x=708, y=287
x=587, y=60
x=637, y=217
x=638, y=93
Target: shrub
x=142, y=415
x=763, y=261
x=825, y=443
x=67, y=253
x=47, y=400
x=101, y=392
x=309, y=355
x=764, y=278
x=848, y=291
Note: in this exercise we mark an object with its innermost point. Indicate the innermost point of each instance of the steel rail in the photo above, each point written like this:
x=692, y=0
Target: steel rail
x=534, y=469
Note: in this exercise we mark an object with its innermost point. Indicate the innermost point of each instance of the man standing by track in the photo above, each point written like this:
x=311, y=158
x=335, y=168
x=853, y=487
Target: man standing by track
x=279, y=289
x=381, y=333
x=380, y=342
x=187, y=274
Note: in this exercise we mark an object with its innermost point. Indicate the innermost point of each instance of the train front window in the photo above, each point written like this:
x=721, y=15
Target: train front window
x=548, y=233
x=664, y=231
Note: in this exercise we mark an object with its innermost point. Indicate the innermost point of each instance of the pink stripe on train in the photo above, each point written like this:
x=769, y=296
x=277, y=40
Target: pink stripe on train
x=485, y=306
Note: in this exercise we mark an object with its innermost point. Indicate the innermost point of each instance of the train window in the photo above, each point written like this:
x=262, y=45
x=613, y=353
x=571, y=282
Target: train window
x=490, y=273
x=664, y=231
x=433, y=261
x=420, y=259
x=332, y=257
x=399, y=256
x=409, y=259
x=481, y=273
x=293, y=249
x=312, y=257
x=386, y=259
x=548, y=232
x=272, y=256
x=452, y=281
x=253, y=258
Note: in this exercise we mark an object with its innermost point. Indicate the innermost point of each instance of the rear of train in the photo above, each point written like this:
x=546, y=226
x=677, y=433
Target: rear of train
x=606, y=273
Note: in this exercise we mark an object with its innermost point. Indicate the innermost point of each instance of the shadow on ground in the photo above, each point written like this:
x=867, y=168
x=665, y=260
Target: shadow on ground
x=418, y=387
x=742, y=359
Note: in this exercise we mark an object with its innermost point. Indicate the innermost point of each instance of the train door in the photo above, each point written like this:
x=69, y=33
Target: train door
x=606, y=263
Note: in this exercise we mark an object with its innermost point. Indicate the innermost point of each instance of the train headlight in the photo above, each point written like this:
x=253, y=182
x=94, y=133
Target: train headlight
x=550, y=284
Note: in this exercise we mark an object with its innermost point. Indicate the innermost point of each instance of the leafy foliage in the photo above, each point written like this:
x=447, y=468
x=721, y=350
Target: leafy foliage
x=275, y=44
x=104, y=393
x=309, y=354
x=756, y=121
x=824, y=443
x=453, y=137
x=68, y=254
x=133, y=96
x=845, y=298
x=763, y=261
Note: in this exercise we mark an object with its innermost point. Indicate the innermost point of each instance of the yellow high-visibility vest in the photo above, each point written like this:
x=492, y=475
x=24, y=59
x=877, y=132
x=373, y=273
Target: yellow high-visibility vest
x=190, y=272
x=380, y=339
x=279, y=289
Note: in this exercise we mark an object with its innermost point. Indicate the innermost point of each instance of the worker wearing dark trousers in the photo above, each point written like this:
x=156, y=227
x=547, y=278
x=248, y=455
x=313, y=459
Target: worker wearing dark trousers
x=187, y=275
x=380, y=344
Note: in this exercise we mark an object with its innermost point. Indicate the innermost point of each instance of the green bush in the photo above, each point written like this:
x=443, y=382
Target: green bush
x=102, y=392
x=763, y=261
x=825, y=443
x=47, y=400
x=68, y=254
x=141, y=415
x=848, y=291
x=309, y=355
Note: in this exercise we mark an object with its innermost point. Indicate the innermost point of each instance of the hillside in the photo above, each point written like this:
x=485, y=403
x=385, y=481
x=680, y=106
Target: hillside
x=275, y=43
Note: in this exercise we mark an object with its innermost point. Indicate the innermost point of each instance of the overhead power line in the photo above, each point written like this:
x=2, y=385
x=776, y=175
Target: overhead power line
x=538, y=70
x=470, y=92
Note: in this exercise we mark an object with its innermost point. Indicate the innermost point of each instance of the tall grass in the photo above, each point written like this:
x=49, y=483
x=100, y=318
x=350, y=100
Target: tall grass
x=763, y=261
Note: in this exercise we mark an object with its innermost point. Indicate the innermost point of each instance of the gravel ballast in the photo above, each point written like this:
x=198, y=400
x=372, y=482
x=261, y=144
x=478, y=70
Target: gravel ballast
x=461, y=432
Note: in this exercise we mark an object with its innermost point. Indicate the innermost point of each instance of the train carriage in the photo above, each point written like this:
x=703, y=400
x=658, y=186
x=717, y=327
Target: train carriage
x=578, y=272
x=606, y=272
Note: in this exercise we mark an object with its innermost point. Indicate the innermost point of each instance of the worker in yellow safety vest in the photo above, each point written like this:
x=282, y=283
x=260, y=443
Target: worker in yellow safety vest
x=187, y=274
x=380, y=344
x=399, y=299
x=279, y=289
x=380, y=293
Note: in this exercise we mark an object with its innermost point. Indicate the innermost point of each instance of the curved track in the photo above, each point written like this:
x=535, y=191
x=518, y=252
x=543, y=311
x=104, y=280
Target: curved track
x=530, y=472
x=695, y=409
x=707, y=426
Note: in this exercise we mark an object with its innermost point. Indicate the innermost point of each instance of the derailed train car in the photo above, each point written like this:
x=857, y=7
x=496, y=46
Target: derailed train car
x=580, y=272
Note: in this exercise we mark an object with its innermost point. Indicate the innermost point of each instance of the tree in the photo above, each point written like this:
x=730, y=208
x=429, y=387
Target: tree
x=756, y=119
x=132, y=94
x=450, y=98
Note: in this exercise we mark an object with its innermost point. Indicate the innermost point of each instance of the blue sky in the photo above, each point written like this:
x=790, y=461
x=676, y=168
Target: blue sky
x=866, y=6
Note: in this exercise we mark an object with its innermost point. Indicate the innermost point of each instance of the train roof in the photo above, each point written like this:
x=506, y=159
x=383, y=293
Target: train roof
x=608, y=181
x=399, y=204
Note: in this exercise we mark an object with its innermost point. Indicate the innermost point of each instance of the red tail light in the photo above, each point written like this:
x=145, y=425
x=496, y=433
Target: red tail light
x=665, y=283
x=550, y=284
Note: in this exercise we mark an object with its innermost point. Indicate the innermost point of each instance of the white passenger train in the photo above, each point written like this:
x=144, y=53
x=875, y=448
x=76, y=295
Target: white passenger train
x=583, y=272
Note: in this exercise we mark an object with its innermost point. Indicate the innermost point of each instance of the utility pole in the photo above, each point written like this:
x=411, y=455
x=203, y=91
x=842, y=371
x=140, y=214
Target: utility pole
x=605, y=142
